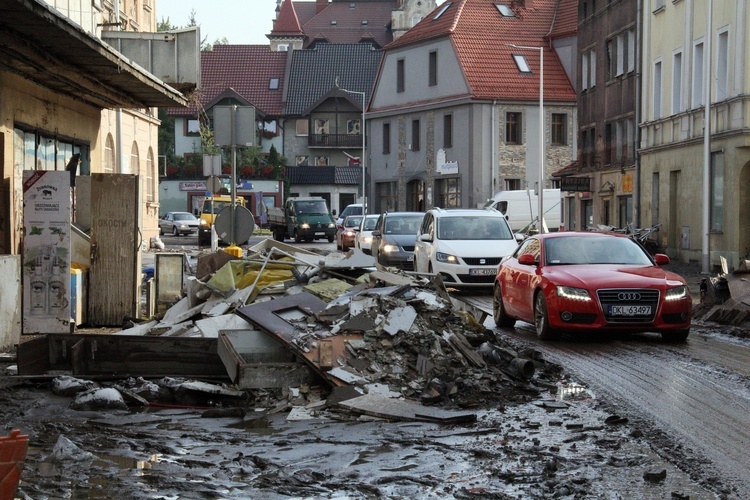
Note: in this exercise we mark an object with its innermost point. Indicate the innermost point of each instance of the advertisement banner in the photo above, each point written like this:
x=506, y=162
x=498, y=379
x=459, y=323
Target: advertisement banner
x=46, y=251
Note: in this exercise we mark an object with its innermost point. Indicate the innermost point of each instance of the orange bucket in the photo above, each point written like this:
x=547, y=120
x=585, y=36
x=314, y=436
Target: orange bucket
x=12, y=456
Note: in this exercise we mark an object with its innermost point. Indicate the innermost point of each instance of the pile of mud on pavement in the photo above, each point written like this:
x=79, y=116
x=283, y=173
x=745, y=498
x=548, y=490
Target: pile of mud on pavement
x=369, y=339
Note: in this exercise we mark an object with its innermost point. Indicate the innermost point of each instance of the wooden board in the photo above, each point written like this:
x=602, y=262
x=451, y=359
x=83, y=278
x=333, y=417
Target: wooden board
x=114, y=279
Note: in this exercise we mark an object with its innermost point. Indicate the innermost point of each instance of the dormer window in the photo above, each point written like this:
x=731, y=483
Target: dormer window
x=273, y=84
x=364, y=22
x=334, y=23
x=504, y=10
x=523, y=66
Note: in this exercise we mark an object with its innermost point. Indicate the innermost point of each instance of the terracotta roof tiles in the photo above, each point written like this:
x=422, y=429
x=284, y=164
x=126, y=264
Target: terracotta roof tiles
x=481, y=37
x=245, y=69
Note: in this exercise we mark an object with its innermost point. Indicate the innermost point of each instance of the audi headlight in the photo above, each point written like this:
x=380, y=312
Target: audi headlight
x=676, y=293
x=390, y=248
x=446, y=257
x=568, y=292
x=304, y=225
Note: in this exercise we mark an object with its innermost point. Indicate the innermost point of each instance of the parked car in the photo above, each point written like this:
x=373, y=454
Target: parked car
x=179, y=223
x=353, y=209
x=347, y=231
x=363, y=240
x=463, y=246
x=393, y=238
x=584, y=281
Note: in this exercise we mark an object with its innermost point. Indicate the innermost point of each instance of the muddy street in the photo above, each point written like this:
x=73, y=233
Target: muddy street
x=695, y=397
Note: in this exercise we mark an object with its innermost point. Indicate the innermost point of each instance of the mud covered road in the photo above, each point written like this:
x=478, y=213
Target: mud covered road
x=693, y=398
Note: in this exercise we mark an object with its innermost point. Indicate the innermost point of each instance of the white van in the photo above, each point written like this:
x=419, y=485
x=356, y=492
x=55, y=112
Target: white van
x=520, y=207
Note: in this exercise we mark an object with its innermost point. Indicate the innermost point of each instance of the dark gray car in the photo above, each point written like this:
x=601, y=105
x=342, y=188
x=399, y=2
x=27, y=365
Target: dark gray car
x=394, y=238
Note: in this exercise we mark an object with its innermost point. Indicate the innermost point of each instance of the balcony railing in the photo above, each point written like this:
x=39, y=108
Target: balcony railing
x=334, y=141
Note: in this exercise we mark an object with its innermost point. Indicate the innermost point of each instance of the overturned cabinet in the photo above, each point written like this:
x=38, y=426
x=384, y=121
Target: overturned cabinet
x=254, y=360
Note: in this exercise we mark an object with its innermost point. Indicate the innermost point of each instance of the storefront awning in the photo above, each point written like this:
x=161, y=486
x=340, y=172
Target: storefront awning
x=42, y=46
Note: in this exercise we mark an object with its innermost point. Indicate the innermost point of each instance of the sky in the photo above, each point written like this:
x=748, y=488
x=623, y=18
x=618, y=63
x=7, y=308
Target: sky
x=240, y=21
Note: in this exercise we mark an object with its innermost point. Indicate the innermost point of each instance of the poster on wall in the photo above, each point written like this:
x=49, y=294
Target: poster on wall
x=46, y=251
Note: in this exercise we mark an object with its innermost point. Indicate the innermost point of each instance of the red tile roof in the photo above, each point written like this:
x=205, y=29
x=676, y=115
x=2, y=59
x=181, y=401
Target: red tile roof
x=481, y=35
x=566, y=20
x=286, y=23
x=245, y=69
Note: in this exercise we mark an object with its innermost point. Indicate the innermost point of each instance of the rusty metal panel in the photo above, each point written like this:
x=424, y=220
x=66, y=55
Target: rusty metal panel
x=114, y=284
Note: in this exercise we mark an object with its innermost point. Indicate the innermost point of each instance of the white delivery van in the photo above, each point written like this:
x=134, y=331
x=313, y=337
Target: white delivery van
x=520, y=207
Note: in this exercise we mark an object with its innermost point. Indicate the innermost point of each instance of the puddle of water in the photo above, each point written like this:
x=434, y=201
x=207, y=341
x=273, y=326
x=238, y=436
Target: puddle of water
x=571, y=391
x=260, y=426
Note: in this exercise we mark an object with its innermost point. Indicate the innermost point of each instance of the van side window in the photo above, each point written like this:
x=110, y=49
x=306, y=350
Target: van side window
x=502, y=206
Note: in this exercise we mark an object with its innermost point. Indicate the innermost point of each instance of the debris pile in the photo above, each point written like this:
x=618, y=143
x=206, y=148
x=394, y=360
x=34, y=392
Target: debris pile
x=725, y=298
x=285, y=319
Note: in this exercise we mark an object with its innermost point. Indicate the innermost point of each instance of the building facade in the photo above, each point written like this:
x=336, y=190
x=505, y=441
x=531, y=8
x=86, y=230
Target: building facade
x=692, y=187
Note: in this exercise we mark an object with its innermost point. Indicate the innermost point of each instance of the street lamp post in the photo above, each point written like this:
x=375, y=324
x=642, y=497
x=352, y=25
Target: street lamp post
x=541, y=130
x=362, y=160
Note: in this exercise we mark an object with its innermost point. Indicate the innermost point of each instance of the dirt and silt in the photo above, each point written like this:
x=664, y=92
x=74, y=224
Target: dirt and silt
x=551, y=438
x=508, y=433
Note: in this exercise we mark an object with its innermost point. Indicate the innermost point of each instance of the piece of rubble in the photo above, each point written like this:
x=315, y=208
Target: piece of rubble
x=328, y=289
x=65, y=385
x=655, y=476
x=210, y=327
x=381, y=406
x=107, y=398
x=67, y=451
x=399, y=319
x=180, y=312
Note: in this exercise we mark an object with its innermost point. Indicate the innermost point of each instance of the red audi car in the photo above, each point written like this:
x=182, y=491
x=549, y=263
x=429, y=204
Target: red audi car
x=587, y=281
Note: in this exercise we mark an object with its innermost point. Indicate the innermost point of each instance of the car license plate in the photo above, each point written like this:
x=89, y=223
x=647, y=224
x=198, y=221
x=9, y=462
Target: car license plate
x=410, y=258
x=629, y=310
x=482, y=272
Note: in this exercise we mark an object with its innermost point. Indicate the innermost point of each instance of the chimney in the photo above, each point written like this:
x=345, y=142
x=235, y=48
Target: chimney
x=320, y=5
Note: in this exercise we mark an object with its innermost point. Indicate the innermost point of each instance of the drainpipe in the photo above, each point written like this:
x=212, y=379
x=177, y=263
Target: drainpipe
x=705, y=242
x=637, y=120
x=122, y=166
x=493, y=160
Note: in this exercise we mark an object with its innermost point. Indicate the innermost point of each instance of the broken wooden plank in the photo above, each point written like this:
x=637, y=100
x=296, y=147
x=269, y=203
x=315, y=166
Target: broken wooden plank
x=119, y=356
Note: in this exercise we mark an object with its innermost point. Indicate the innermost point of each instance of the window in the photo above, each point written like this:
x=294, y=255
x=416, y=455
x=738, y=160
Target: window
x=302, y=127
x=273, y=84
x=523, y=66
x=611, y=59
x=697, y=96
x=353, y=127
x=386, y=138
x=676, y=83
x=717, y=191
x=300, y=161
x=513, y=184
x=624, y=210
x=400, y=83
x=109, y=155
x=433, y=69
x=415, y=133
x=321, y=161
x=513, y=128
x=722, y=67
x=504, y=10
x=447, y=131
x=588, y=70
x=607, y=144
x=321, y=127
x=442, y=11
x=658, y=5
x=192, y=127
x=631, y=51
x=135, y=161
x=621, y=54
x=282, y=47
x=448, y=193
x=559, y=129
x=657, y=91
x=150, y=177
x=387, y=196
